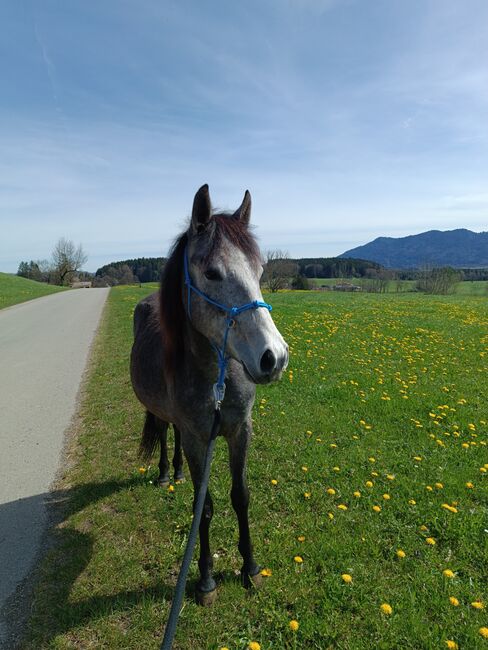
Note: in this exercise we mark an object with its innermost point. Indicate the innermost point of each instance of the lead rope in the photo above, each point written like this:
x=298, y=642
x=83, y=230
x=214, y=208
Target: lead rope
x=219, y=394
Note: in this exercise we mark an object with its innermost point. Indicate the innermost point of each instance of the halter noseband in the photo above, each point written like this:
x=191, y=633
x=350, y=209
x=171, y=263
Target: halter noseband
x=232, y=312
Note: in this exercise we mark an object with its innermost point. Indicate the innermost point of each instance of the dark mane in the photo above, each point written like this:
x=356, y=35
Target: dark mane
x=173, y=311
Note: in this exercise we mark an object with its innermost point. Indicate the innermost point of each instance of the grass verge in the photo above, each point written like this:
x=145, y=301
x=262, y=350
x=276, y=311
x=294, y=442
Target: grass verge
x=14, y=289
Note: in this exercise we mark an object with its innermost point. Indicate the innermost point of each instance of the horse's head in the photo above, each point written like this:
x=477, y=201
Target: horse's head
x=225, y=264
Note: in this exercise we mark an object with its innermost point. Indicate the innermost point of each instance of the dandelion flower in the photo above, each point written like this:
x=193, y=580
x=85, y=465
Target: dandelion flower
x=336, y=469
x=412, y=502
x=469, y=485
x=266, y=573
x=346, y=578
x=484, y=632
x=477, y=604
x=301, y=538
x=372, y=459
x=454, y=601
x=447, y=573
x=304, y=469
x=293, y=625
x=386, y=497
x=452, y=645
x=369, y=484
x=423, y=527
x=430, y=541
x=446, y=506
x=254, y=645
x=342, y=506
x=401, y=554
x=171, y=488
x=142, y=470
x=357, y=493
x=331, y=491
x=307, y=495
x=386, y=609
x=274, y=481
x=439, y=486
x=330, y=515
x=390, y=477
x=377, y=508
x=298, y=559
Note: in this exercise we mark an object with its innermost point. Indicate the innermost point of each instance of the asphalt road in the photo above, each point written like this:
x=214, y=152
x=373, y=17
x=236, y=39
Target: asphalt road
x=44, y=347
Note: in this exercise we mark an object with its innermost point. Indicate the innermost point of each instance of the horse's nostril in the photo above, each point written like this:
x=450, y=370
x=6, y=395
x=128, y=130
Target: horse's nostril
x=268, y=362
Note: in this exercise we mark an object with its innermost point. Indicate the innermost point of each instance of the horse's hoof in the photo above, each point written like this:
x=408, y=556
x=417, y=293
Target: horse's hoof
x=252, y=581
x=205, y=598
x=180, y=478
x=162, y=483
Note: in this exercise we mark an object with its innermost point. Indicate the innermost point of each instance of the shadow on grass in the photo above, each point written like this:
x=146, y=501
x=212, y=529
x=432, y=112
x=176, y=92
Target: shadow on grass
x=63, y=554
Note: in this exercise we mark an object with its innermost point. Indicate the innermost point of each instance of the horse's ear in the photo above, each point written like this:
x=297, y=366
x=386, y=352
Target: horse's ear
x=243, y=213
x=202, y=209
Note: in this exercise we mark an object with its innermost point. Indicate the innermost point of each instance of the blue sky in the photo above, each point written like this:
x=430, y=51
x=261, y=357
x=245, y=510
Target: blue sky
x=346, y=119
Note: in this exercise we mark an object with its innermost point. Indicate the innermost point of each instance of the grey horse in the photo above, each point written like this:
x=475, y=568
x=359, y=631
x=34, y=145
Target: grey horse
x=174, y=363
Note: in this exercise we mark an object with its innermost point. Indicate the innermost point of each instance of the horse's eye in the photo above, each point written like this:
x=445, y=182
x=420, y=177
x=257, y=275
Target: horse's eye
x=212, y=274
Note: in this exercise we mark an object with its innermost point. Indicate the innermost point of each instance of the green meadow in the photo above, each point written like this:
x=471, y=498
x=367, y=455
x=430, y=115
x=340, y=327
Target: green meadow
x=367, y=470
x=14, y=289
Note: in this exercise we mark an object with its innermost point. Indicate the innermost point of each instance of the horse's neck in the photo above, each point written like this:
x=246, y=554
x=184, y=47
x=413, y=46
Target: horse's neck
x=200, y=356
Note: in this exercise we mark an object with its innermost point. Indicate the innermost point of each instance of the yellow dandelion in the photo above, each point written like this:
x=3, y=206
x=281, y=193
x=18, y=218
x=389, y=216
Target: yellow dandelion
x=447, y=573
x=477, y=604
x=304, y=469
x=454, y=601
x=357, y=493
x=439, y=486
x=423, y=527
x=142, y=470
x=254, y=645
x=369, y=484
x=484, y=632
x=390, y=477
x=431, y=541
x=293, y=625
x=301, y=538
x=342, y=506
x=307, y=495
x=298, y=559
x=171, y=488
x=412, y=502
x=386, y=609
x=266, y=573
x=401, y=554
x=346, y=578
x=336, y=469
x=377, y=508
x=452, y=645
x=330, y=515
x=469, y=485
x=417, y=458
x=386, y=497
x=274, y=481
x=446, y=506
x=330, y=491
x=372, y=459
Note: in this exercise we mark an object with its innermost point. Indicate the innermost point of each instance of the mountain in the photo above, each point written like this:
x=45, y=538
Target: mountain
x=459, y=248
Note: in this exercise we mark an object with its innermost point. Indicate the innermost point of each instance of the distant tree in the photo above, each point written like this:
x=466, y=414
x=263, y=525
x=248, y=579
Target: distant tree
x=438, y=280
x=300, y=283
x=278, y=270
x=39, y=270
x=67, y=259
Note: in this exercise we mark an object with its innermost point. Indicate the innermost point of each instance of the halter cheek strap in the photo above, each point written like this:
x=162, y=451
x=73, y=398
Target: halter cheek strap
x=232, y=312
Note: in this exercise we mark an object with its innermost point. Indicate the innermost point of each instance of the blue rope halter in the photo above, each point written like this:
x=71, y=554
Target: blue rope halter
x=232, y=312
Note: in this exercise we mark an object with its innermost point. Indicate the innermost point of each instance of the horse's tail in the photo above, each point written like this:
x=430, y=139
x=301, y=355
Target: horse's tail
x=152, y=435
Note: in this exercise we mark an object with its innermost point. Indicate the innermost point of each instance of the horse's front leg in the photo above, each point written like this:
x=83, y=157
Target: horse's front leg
x=206, y=589
x=238, y=446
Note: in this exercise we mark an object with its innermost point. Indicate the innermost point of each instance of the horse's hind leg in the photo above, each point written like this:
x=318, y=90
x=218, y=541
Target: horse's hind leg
x=238, y=445
x=178, y=456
